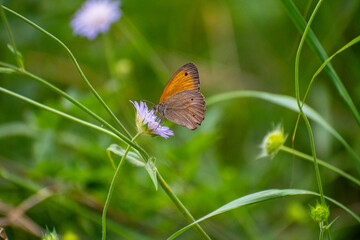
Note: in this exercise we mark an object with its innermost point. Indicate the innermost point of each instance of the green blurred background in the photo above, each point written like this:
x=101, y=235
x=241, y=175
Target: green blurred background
x=237, y=45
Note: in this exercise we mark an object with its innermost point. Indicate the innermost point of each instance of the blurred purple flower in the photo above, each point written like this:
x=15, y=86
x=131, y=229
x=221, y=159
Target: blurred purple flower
x=148, y=123
x=94, y=17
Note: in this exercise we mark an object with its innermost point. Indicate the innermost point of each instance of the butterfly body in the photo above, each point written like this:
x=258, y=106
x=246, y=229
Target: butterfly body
x=181, y=102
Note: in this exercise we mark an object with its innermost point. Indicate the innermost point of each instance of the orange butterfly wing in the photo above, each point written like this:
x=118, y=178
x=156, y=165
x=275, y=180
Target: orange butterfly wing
x=186, y=78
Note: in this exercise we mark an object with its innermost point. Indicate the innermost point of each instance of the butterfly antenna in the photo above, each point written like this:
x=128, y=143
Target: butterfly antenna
x=148, y=102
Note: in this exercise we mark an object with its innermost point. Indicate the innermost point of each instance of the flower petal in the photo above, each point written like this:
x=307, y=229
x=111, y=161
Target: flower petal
x=94, y=17
x=148, y=123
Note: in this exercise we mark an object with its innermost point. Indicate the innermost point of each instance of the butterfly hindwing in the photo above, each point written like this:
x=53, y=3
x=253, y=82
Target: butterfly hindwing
x=186, y=78
x=186, y=108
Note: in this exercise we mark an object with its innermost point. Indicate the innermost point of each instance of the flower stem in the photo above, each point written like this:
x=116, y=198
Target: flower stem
x=313, y=151
x=321, y=235
x=111, y=189
x=297, y=93
x=297, y=58
x=181, y=207
x=76, y=65
x=322, y=163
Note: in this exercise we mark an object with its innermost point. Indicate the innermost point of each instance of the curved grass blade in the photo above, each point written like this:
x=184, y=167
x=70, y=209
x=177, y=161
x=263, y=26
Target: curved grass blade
x=323, y=65
x=93, y=126
x=257, y=198
x=349, y=44
x=316, y=46
x=289, y=103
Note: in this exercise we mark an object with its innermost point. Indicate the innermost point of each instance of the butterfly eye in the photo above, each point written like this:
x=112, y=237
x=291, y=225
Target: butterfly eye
x=192, y=99
x=186, y=74
x=193, y=115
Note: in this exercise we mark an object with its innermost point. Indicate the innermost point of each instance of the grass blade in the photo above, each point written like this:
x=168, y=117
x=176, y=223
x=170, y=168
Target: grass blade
x=289, y=103
x=316, y=46
x=257, y=198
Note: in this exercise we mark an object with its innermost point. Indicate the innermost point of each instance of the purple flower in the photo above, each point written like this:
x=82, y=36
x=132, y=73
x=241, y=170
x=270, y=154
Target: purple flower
x=94, y=17
x=148, y=123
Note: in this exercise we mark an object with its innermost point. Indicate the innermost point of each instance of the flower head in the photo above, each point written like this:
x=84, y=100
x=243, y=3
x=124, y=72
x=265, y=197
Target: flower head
x=273, y=141
x=148, y=123
x=320, y=213
x=94, y=17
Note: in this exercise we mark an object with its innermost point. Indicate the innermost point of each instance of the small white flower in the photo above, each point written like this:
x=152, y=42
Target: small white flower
x=94, y=17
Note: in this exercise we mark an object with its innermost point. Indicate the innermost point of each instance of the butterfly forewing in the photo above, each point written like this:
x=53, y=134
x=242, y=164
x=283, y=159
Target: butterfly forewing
x=186, y=108
x=186, y=78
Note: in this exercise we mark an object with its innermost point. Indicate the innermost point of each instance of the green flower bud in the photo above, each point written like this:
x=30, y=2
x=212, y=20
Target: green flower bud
x=50, y=235
x=320, y=213
x=273, y=141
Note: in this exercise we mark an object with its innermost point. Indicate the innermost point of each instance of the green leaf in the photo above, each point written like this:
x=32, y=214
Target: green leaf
x=316, y=46
x=330, y=224
x=151, y=169
x=257, y=198
x=289, y=103
x=131, y=157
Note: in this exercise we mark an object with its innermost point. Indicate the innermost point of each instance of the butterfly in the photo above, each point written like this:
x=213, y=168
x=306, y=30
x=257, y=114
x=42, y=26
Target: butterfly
x=181, y=102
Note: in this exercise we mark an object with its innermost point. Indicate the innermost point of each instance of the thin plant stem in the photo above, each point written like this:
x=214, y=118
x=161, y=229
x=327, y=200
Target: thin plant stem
x=297, y=58
x=323, y=65
x=71, y=99
x=76, y=65
x=313, y=151
x=321, y=235
x=131, y=143
x=11, y=37
x=305, y=15
x=108, y=132
x=316, y=46
x=112, y=184
x=144, y=154
x=322, y=163
x=297, y=93
x=181, y=206
x=349, y=44
x=68, y=97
